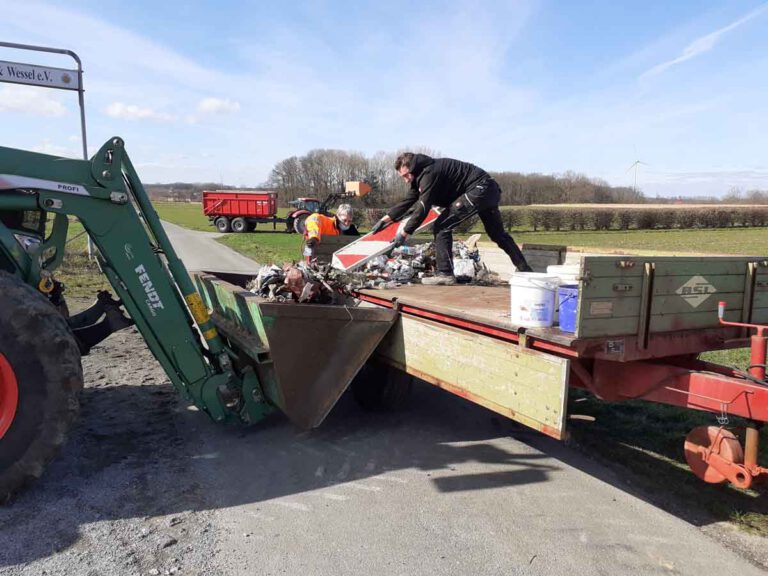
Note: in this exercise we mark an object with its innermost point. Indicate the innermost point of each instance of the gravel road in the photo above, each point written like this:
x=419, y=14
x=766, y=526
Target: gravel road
x=147, y=486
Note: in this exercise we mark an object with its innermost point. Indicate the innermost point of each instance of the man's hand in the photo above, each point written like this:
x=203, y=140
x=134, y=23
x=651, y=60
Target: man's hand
x=381, y=224
x=400, y=238
x=309, y=247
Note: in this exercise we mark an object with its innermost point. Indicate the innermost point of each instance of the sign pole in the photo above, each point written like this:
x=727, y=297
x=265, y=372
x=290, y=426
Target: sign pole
x=47, y=77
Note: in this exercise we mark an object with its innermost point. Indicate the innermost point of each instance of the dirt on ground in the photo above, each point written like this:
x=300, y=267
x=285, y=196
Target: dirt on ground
x=119, y=498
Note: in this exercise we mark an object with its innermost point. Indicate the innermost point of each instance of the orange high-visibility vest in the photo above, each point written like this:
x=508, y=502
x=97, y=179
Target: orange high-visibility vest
x=318, y=225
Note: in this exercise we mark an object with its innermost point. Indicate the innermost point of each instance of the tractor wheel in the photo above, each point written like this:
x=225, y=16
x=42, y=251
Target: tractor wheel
x=222, y=224
x=40, y=378
x=239, y=225
x=379, y=387
x=299, y=223
x=289, y=225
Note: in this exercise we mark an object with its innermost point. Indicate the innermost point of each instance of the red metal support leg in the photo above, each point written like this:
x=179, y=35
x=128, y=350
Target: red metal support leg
x=752, y=437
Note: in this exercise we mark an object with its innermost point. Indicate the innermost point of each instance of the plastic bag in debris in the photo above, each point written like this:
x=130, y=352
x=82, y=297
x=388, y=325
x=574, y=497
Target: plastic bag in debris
x=464, y=269
x=401, y=271
x=462, y=252
x=378, y=263
x=419, y=250
x=418, y=263
x=267, y=276
x=406, y=264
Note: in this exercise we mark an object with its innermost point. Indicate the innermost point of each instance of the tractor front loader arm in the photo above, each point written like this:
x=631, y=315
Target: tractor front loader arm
x=134, y=252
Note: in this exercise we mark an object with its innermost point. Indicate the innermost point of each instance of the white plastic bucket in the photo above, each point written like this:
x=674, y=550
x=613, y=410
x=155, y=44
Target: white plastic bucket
x=532, y=296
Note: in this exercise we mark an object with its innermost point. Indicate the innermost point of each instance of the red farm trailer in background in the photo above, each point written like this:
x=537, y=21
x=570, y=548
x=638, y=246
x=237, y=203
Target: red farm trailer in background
x=240, y=210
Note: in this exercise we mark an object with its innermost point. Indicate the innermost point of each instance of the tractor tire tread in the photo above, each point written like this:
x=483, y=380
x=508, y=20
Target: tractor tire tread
x=53, y=354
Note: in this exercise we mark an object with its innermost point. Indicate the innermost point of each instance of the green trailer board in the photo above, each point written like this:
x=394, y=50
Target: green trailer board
x=631, y=295
x=524, y=385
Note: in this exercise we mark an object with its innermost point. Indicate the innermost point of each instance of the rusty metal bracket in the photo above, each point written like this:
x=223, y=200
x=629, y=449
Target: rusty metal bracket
x=749, y=296
x=646, y=298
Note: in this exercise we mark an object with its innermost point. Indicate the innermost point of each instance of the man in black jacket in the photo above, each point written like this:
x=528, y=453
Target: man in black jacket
x=463, y=190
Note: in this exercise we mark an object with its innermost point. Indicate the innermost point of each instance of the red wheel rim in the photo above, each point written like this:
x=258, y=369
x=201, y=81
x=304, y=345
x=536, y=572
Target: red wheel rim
x=9, y=395
x=721, y=441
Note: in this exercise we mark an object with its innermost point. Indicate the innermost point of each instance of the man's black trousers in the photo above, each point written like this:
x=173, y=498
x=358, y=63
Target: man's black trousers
x=482, y=200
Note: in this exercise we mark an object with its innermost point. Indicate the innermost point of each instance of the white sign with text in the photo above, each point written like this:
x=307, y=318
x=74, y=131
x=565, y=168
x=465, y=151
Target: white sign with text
x=39, y=75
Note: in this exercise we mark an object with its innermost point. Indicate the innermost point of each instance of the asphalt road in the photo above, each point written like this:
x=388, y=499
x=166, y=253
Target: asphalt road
x=444, y=487
x=199, y=251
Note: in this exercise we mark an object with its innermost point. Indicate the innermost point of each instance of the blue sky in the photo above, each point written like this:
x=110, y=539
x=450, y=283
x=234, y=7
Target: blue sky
x=202, y=92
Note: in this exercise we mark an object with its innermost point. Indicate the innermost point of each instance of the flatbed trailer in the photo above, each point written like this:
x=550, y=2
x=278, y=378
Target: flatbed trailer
x=641, y=324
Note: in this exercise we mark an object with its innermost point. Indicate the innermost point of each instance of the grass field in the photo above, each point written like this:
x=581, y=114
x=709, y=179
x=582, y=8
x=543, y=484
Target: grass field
x=190, y=215
x=712, y=241
x=269, y=247
x=645, y=440
x=266, y=247
x=715, y=241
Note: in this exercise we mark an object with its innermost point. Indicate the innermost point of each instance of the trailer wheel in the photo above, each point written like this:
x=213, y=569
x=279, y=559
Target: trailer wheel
x=222, y=224
x=239, y=225
x=379, y=387
x=40, y=378
x=251, y=227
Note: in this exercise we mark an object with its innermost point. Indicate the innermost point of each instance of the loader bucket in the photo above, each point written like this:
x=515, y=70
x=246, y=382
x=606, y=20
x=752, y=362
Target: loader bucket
x=304, y=355
x=316, y=351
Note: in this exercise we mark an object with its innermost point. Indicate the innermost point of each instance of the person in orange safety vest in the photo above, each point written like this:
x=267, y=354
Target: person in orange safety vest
x=318, y=225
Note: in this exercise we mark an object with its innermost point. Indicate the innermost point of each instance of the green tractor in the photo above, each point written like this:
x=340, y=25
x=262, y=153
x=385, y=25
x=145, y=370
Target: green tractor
x=41, y=343
x=229, y=373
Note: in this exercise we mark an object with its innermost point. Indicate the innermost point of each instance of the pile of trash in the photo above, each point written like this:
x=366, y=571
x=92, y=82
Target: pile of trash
x=295, y=283
x=322, y=284
x=409, y=264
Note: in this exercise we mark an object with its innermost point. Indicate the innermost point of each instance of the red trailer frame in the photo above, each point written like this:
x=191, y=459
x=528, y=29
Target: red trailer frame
x=668, y=373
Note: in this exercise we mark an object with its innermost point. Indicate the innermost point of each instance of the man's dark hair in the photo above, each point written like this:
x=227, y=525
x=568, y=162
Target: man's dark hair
x=405, y=159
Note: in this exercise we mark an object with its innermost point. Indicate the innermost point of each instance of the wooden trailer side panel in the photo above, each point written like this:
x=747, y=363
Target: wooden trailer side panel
x=628, y=295
x=524, y=385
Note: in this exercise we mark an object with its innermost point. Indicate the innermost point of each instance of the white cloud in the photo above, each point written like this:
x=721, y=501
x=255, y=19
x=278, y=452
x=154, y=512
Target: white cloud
x=218, y=106
x=37, y=101
x=703, y=44
x=133, y=112
x=49, y=147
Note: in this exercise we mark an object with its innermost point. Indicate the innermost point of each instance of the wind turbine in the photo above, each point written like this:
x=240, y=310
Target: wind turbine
x=635, y=165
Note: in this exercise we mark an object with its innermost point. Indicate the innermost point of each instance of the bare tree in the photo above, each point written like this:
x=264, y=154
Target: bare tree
x=321, y=172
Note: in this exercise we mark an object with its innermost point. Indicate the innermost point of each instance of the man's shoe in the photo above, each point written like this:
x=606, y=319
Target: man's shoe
x=441, y=279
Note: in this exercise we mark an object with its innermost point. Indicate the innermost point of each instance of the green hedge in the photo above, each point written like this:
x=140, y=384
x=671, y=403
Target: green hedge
x=636, y=218
x=614, y=217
